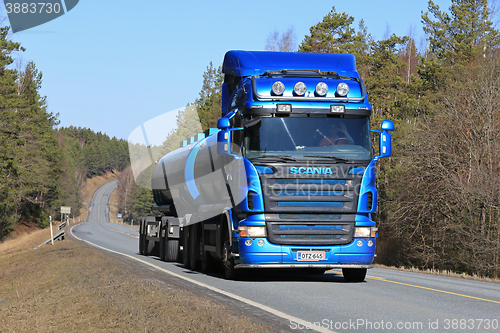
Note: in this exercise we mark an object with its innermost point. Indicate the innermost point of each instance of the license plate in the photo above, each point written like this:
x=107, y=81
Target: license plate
x=310, y=255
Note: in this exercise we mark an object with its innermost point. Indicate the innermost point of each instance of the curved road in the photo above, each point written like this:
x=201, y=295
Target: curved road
x=389, y=300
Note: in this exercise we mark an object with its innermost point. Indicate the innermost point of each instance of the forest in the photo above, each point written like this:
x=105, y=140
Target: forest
x=439, y=199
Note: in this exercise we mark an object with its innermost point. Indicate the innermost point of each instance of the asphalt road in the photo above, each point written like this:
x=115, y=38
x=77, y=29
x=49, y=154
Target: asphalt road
x=388, y=301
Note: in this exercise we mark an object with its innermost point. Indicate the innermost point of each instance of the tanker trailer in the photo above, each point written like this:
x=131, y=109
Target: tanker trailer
x=192, y=184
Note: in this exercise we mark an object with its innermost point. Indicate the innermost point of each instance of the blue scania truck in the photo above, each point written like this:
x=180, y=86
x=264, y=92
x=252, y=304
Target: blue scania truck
x=287, y=180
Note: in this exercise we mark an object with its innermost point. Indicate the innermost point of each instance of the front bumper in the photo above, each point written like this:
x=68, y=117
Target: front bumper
x=352, y=255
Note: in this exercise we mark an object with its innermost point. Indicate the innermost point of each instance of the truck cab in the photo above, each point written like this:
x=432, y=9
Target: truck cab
x=301, y=123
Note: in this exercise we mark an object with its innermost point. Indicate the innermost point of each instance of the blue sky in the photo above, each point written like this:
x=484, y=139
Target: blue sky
x=113, y=65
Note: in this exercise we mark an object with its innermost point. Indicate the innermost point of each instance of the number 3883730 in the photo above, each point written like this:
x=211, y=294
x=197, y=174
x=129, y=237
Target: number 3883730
x=33, y=8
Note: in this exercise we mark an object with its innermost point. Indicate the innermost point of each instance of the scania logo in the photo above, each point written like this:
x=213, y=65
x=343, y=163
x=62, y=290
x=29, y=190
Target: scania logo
x=310, y=171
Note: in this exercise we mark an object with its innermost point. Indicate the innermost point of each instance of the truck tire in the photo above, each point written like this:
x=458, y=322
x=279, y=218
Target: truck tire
x=163, y=243
x=208, y=263
x=172, y=250
x=142, y=250
x=185, y=247
x=169, y=248
x=194, y=247
x=141, y=238
x=230, y=272
x=354, y=274
x=149, y=246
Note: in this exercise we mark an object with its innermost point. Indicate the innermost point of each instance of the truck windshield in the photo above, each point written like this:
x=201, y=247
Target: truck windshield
x=309, y=138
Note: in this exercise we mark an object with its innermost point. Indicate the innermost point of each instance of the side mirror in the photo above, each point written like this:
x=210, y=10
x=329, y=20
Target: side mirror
x=223, y=136
x=227, y=134
x=223, y=123
x=387, y=125
x=385, y=139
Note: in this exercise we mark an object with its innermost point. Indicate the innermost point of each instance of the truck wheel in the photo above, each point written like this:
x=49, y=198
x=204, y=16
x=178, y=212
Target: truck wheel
x=172, y=249
x=185, y=247
x=149, y=246
x=354, y=274
x=228, y=261
x=163, y=243
x=141, y=238
x=207, y=263
x=141, y=245
x=194, y=248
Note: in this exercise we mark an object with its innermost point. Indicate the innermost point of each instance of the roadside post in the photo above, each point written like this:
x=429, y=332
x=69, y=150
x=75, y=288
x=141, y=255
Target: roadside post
x=51, y=232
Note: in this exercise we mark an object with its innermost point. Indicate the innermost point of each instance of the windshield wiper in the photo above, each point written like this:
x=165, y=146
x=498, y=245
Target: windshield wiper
x=277, y=157
x=336, y=158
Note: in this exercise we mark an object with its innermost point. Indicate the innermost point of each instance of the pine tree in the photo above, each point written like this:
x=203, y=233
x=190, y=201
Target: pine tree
x=10, y=101
x=455, y=39
x=335, y=34
x=39, y=156
x=209, y=103
x=30, y=157
x=387, y=88
x=461, y=35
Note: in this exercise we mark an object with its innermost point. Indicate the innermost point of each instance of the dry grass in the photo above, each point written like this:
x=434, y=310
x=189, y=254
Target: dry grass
x=71, y=286
x=19, y=244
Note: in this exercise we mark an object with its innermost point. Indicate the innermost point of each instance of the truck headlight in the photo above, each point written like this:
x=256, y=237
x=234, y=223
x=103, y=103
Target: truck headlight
x=342, y=89
x=299, y=88
x=321, y=89
x=252, y=232
x=278, y=88
x=365, y=232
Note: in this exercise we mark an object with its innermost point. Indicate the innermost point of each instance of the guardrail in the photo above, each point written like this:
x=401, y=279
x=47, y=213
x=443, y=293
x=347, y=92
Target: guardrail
x=59, y=236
